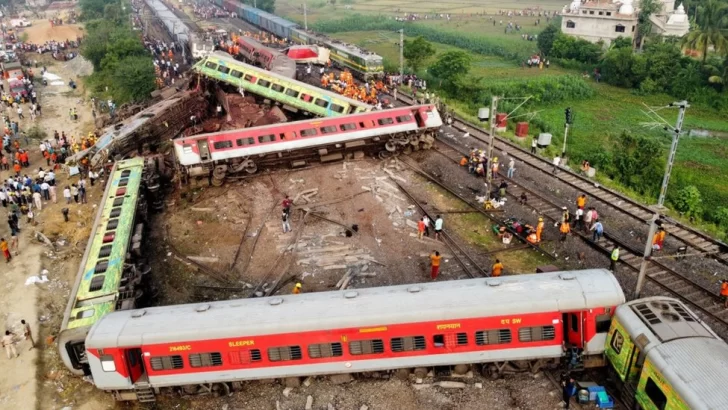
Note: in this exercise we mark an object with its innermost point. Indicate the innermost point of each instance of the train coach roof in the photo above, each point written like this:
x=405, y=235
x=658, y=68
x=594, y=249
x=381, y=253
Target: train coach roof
x=227, y=60
x=520, y=294
x=696, y=368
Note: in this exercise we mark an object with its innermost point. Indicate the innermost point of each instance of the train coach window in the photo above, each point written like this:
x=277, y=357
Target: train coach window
x=348, y=127
x=408, y=344
x=118, y=201
x=205, y=359
x=236, y=74
x=321, y=350
x=107, y=363
x=337, y=108
x=292, y=93
x=264, y=83
x=328, y=130
x=305, y=97
x=222, y=144
x=101, y=266
x=211, y=65
x=311, y=132
x=267, y=138
x=250, y=78
x=97, y=283
x=124, y=182
x=85, y=313
x=278, y=354
x=536, y=333
x=223, y=69
x=404, y=118
x=105, y=251
x=245, y=141
x=112, y=224
x=385, y=121
x=166, y=362
x=617, y=341
x=657, y=397
x=359, y=347
x=277, y=88
x=321, y=102
x=603, y=322
x=115, y=212
x=493, y=337
x=125, y=173
x=245, y=356
x=366, y=124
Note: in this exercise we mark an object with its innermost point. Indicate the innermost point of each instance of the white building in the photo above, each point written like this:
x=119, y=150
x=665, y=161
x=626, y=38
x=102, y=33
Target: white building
x=606, y=20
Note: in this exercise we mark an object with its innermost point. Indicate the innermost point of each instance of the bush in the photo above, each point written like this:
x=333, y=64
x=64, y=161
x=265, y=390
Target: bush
x=689, y=202
x=720, y=216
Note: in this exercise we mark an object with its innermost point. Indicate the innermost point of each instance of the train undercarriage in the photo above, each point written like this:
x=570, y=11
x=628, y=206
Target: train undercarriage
x=494, y=370
x=402, y=143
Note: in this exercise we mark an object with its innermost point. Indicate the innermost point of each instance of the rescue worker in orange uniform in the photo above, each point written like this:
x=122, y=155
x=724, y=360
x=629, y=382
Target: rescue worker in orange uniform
x=497, y=269
x=565, y=228
x=659, y=239
x=297, y=288
x=539, y=229
x=581, y=201
x=724, y=293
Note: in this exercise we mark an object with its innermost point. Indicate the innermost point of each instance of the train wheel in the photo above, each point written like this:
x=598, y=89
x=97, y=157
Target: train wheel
x=390, y=146
x=407, y=150
x=384, y=154
x=251, y=167
x=218, y=182
x=219, y=172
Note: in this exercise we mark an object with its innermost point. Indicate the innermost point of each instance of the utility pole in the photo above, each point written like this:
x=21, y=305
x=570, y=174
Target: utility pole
x=566, y=132
x=305, y=17
x=401, y=56
x=491, y=138
x=682, y=106
x=255, y=3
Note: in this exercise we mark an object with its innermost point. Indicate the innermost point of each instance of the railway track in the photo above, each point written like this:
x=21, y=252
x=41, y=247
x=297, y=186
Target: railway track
x=470, y=266
x=666, y=278
x=692, y=238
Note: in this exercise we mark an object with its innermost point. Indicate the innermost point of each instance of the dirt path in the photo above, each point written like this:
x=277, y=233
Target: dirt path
x=42, y=305
x=17, y=375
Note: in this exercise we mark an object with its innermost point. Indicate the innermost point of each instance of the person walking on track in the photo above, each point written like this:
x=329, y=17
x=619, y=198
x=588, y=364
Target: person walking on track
x=724, y=293
x=435, y=264
x=614, y=258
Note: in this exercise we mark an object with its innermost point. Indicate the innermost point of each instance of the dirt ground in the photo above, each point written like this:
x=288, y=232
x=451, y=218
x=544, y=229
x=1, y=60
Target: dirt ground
x=42, y=31
x=36, y=375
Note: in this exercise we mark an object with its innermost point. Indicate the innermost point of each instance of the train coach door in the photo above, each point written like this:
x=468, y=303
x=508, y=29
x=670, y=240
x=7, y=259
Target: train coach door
x=204, y=150
x=135, y=364
x=573, y=328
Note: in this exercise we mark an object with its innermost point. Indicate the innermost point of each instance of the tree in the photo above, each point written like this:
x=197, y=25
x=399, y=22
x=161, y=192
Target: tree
x=451, y=66
x=711, y=29
x=93, y=9
x=621, y=42
x=546, y=39
x=638, y=163
x=133, y=79
x=689, y=202
x=618, y=67
x=417, y=52
x=644, y=25
x=265, y=5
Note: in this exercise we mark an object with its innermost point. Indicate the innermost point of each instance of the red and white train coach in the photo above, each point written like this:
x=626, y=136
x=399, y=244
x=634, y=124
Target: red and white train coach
x=517, y=321
x=227, y=152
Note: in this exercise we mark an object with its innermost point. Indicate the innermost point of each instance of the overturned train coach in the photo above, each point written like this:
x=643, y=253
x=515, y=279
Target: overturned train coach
x=491, y=325
x=323, y=139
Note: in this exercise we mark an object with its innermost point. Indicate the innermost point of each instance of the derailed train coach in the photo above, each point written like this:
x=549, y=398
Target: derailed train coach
x=489, y=325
